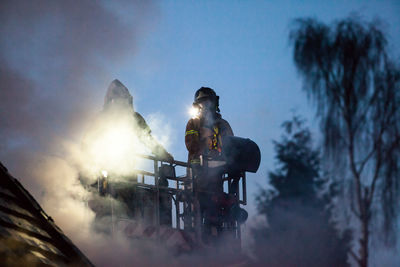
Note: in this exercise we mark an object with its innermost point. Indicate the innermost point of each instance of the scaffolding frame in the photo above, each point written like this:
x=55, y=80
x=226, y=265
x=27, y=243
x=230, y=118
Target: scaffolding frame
x=182, y=187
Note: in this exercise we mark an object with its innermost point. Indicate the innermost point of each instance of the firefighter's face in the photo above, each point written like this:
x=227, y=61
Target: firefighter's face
x=206, y=106
x=207, y=111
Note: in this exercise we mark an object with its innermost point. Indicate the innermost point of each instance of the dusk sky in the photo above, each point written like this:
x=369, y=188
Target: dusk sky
x=57, y=60
x=163, y=52
x=241, y=49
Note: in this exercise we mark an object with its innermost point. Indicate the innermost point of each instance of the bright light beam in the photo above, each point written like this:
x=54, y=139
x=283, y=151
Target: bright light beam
x=194, y=112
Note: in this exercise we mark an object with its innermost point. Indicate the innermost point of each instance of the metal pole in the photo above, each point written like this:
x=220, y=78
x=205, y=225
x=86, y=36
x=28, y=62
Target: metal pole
x=157, y=204
x=177, y=207
x=112, y=215
x=244, y=188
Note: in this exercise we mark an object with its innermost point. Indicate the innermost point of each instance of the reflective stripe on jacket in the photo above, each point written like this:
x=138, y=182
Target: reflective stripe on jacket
x=205, y=140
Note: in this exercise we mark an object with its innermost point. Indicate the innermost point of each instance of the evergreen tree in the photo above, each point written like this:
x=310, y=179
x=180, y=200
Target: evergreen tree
x=299, y=230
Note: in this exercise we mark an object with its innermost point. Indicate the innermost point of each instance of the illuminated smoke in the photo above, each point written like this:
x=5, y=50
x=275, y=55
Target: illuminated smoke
x=55, y=58
x=112, y=144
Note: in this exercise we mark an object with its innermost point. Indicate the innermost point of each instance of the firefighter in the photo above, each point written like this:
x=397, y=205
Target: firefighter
x=118, y=104
x=203, y=139
x=118, y=96
x=118, y=112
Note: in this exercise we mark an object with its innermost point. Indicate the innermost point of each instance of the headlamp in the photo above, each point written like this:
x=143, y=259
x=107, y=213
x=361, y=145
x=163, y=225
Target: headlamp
x=194, y=111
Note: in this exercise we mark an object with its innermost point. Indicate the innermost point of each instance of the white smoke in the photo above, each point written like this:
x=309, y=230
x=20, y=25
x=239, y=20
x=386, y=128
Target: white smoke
x=55, y=58
x=112, y=144
x=64, y=198
x=162, y=131
x=55, y=61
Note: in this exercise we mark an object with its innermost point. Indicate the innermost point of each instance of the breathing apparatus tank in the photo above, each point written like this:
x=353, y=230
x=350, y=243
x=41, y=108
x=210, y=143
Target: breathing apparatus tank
x=241, y=154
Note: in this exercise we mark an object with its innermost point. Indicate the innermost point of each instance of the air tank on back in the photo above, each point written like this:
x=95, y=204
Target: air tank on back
x=241, y=154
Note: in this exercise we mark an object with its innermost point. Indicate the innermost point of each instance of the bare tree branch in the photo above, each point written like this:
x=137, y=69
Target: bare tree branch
x=355, y=257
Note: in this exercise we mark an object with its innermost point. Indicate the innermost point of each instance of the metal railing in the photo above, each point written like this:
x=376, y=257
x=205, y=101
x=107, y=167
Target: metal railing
x=182, y=186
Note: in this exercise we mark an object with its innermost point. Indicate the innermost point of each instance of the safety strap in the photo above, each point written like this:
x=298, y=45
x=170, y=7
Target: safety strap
x=216, y=139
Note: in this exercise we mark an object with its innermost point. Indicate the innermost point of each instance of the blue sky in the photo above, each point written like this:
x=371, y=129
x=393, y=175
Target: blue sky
x=58, y=60
x=241, y=49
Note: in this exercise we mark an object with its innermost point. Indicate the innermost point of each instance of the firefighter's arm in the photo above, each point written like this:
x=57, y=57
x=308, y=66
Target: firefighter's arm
x=226, y=129
x=149, y=141
x=192, y=139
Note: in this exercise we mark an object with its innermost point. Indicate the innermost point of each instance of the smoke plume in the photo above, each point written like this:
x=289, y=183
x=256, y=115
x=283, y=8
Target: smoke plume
x=55, y=58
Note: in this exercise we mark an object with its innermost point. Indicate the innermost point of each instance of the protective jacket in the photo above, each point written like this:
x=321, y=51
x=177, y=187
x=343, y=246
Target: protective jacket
x=202, y=139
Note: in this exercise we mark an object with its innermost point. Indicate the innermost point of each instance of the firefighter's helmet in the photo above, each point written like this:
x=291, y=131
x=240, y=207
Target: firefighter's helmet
x=206, y=93
x=118, y=94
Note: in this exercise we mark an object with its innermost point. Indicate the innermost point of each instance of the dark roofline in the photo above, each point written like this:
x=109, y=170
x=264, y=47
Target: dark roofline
x=58, y=238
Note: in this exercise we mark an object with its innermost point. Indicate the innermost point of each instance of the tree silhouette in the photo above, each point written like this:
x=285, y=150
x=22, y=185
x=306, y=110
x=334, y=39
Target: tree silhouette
x=348, y=73
x=299, y=231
